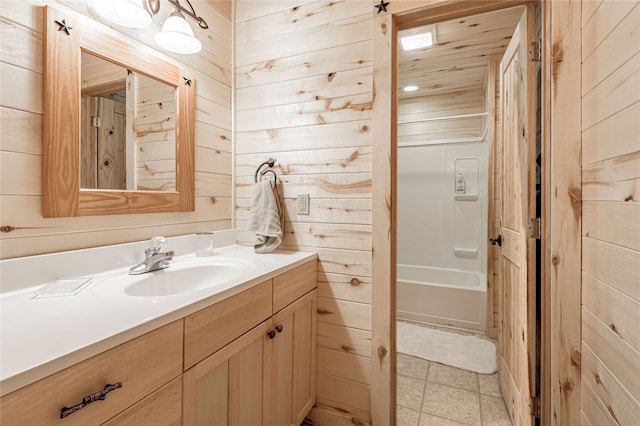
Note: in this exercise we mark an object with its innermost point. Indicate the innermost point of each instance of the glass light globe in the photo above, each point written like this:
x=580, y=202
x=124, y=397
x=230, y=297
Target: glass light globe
x=176, y=35
x=128, y=13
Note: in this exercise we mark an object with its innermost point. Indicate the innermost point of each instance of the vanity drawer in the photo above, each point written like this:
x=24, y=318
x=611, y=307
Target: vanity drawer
x=163, y=407
x=209, y=329
x=294, y=284
x=142, y=365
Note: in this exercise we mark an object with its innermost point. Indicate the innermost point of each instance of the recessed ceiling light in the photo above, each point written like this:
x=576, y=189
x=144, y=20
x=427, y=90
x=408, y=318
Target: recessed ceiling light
x=418, y=38
x=411, y=88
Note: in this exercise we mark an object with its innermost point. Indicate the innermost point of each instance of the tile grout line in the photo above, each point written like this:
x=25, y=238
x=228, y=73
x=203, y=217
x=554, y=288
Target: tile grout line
x=480, y=401
x=424, y=393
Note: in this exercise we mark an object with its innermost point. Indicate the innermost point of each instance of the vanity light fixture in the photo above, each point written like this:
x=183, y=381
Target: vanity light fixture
x=128, y=13
x=176, y=35
x=418, y=38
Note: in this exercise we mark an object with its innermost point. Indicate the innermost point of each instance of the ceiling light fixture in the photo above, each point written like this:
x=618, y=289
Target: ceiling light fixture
x=411, y=88
x=418, y=38
x=176, y=35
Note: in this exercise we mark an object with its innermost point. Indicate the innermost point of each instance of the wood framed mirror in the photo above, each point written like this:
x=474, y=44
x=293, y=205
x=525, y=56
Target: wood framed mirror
x=71, y=180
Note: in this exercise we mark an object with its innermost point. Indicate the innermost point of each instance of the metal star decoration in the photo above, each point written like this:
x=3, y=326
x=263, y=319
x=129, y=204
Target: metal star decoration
x=187, y=81
x=63, y=26
x=382, y=7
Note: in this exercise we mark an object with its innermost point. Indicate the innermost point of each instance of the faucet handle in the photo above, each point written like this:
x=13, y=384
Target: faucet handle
x=157, y=243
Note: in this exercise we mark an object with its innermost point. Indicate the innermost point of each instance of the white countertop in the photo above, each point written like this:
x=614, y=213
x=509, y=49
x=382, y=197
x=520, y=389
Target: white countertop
x=44, y=335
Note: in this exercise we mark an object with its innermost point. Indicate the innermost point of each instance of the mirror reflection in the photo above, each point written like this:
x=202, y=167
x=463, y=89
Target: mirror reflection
x=128, y=129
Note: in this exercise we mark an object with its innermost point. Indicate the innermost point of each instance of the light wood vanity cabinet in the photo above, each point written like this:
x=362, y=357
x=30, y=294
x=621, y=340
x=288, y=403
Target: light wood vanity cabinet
x=291, y=377
x=142, y=365
x=211, y=328
x=226, y=388
x=237, y=362
x=162, y=407
x=268, y=375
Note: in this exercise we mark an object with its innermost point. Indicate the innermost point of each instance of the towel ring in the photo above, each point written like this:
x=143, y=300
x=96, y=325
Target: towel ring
x=270, y=162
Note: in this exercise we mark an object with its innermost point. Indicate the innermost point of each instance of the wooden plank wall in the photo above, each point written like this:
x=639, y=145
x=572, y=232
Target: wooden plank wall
x=155, y=136
x=24, y=231
x=562, y=160
x=610, y=213
x=304, y=95
x=443, y=105
x=491, y=102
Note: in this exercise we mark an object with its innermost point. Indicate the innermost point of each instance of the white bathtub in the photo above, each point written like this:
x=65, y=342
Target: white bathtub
x=442, y=296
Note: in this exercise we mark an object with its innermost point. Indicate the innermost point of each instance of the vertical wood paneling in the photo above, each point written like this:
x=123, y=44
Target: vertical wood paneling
x=564, y=221
x=611, y=212
x=21, y=67
x=494, y=192
x=384, y=201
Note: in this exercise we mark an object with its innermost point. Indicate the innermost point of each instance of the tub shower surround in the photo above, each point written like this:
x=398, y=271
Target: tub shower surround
x=442, y=228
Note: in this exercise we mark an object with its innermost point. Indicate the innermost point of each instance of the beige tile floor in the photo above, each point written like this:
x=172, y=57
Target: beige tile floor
x=432, y=394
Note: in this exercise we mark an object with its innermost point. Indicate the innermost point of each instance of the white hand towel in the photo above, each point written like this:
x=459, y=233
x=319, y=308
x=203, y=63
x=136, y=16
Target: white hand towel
x=265, y=219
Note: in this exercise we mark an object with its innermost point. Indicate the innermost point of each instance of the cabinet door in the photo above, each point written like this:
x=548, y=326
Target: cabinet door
x=227, y=387
x=293, y=361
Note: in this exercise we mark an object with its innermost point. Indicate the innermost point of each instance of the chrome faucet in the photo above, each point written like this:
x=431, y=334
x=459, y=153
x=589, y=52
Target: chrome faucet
x=154, y=257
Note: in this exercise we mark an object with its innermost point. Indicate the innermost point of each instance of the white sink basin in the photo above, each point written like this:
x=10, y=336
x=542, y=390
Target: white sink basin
x=179, y=277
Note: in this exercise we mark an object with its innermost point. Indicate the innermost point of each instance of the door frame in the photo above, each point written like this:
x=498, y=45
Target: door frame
x=561, y=215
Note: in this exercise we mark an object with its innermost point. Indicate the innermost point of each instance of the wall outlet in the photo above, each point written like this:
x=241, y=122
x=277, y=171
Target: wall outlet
x=303, y=203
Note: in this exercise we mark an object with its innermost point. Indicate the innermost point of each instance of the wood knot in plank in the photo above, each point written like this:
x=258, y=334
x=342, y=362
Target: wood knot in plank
x=576, y=358
x=613, y=328
x=7, y=229
x=613, y=414
x=354, y=156
x=597, y=378
x=568, y=386
x=382, y=353
x=346, y=348
x=331, y=76
x=628, y=198
x=321, y=311
x=355, y=282
x=575, y=195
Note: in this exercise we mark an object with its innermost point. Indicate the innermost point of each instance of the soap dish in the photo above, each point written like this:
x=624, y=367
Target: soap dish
x=63, y=287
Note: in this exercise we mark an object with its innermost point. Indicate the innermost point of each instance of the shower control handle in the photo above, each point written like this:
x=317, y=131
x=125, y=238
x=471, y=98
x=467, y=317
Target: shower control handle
x=497, y=240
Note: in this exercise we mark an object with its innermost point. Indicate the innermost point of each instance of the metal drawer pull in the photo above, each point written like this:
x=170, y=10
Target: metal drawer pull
x=279, y=328
x=271, y=334
x=98, y=396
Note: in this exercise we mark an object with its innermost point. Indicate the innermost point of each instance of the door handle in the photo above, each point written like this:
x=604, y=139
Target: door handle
x=497, y=240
